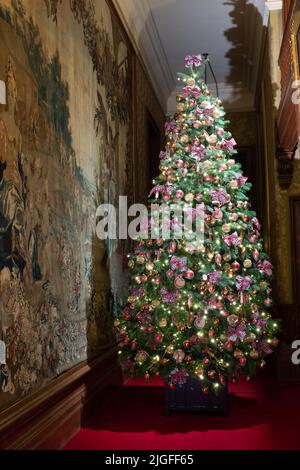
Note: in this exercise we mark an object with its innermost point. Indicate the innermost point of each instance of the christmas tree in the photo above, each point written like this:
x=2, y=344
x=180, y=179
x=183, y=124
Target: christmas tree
x=199, y=309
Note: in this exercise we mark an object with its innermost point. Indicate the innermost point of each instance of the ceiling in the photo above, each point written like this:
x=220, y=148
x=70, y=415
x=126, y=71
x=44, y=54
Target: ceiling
x=231, y=31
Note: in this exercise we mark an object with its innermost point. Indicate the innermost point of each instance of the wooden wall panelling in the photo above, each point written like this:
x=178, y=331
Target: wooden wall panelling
x=49, y=417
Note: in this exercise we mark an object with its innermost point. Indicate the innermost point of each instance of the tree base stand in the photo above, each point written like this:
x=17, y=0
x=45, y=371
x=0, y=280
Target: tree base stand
x=189, y=397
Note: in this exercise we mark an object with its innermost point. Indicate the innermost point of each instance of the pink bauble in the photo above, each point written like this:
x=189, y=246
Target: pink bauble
x=196, y=142
x=179, y=282
x=207, y=178
x=199, y=322
x=218, y=259
x=179, y=355
x=234, y=216
x=184, y=171
x=189, y=274
x=170, y=273
x=253, y=238
x=166, y=197
x=208, y=121
x=222, y=167
x=184, y=139
x=256, y=254
x=217, y=213
x=235, y=265
x=211, y=288
x=179, y=163
x=197, y=124
x=198, y=197
x=179, y=193
x=192, y=102
x=157, y=280
x=187, y=148
x=189, y=197
x=172, y=247
x=242, y=361
x=228, y=345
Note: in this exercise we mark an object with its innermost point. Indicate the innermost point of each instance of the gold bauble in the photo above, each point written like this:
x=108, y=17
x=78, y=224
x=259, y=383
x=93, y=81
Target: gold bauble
x=140, y=259
x=149, y=266
x=247, y=263
x=163, y=322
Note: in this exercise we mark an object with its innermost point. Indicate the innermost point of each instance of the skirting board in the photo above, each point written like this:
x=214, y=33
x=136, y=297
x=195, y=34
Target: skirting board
x=49, y=417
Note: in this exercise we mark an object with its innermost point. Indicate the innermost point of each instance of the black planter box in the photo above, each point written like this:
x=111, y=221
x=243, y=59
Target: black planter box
x=189, y=397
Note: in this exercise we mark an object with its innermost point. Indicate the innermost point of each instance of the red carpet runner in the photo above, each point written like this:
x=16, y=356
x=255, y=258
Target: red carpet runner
x=263, y=414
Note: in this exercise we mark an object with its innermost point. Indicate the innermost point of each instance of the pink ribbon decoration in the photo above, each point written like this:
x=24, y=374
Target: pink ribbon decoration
x=179, y=263
x=193, y=60
x=220, y=197
x=243, y=283
x=137, y=251
x=162, y=155
x=229, y=145
x=232, y=240
x=171, y=127
x=214, y=276
x=198, y=152
x=213, y=303
x=265, y=347
x=266, y=267
x=256, y=224
x=138, y=291
x=257, y=321
x=169, y=297
x=241, y=180
x=161, y=189
x=238, y=332
x=188, y=90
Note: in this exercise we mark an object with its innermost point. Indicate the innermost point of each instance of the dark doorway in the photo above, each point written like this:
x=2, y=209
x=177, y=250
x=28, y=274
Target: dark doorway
x=246, y=156
x=154, y=147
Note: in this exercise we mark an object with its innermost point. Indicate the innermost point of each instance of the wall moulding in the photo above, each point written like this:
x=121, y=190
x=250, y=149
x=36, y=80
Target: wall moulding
x=52, y=415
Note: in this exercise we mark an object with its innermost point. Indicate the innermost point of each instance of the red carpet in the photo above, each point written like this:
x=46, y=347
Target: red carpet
x=263, y=414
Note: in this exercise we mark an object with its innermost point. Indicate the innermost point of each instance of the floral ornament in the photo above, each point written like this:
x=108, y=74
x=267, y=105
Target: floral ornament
x=171, y=128
x=138, y=291
x=237, y=332
x=214, y=276
x=179, y=376
x=241, y=180
x=220, y=197
x=243, y=283
x=179, y=263
x=193, y=60
x=169, y=297
x=229, y=145
x=143, y=317
x=266, y=267
x=232, y=240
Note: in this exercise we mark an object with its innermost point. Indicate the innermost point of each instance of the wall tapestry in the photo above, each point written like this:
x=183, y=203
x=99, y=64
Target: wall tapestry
x=65, y=147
